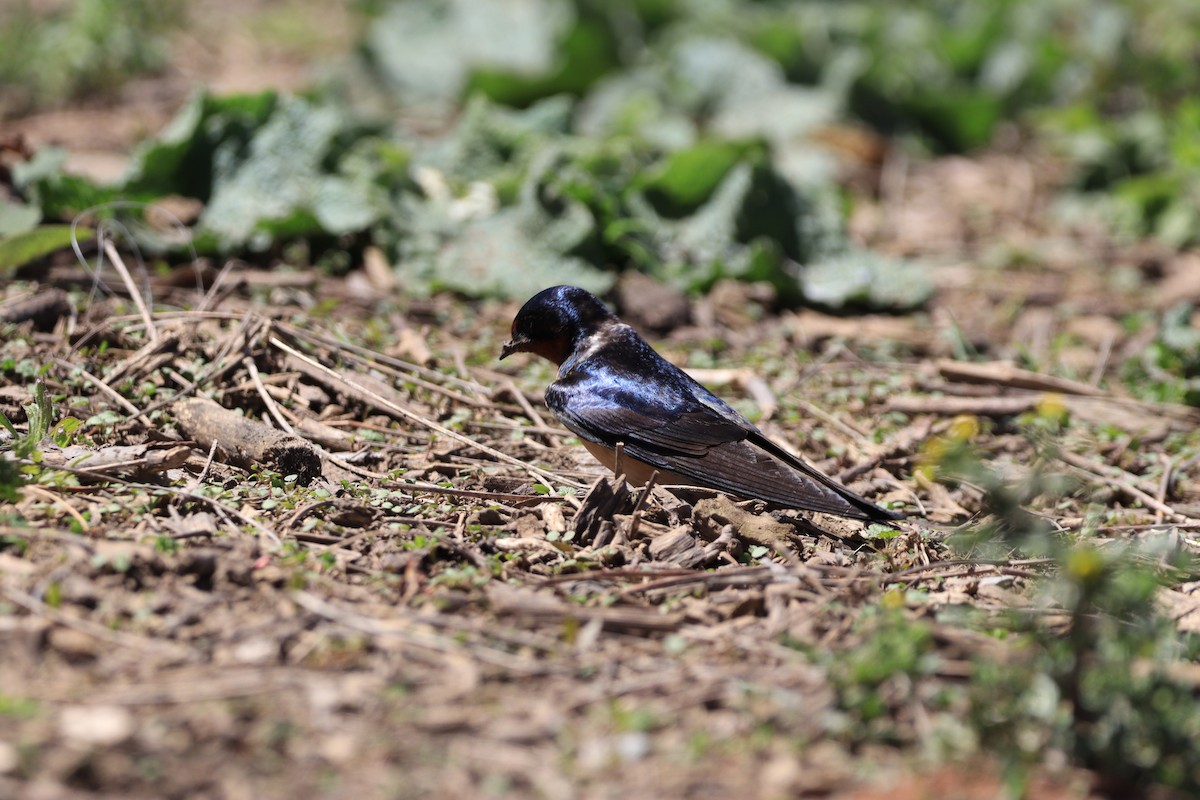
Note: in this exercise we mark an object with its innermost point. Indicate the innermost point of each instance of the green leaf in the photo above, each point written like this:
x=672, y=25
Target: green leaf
x=17, y=218
x=205, y=139
x=688, y=177
x=865, y=279
x=60, y=196
x=283, y=184
x=958, y=120
x=426, y=53
x=23, y=248
x=586, y=52
x=65, y=430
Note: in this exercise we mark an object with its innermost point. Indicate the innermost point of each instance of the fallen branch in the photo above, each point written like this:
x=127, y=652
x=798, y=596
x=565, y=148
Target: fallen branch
x=1003, y=373
x=1122, y=485
x=133, y=461
x=245, y=442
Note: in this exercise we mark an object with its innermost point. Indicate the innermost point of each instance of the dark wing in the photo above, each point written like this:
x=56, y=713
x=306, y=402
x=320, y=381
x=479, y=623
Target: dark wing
x=719, y=450
x=811, y=476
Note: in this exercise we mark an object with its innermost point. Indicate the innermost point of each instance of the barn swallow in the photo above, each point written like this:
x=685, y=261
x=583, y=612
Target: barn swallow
x=612, y=388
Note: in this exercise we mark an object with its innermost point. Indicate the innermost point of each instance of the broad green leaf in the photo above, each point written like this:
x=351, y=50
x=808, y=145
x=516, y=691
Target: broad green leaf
x=426, y=52
x=860, y=278
x=283, y=184
x=205, y=138
x=23, y=248
x=17, y=218
x=687, y=178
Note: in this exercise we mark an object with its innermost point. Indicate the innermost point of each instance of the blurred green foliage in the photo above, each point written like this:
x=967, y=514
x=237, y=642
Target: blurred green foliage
x=80, y=47
x=1094, y=671
x=679, y=137
x=1168, y=370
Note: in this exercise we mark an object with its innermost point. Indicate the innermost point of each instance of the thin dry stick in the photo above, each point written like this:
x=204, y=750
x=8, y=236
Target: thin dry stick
x=731, y=576
x=268, y=401
x=1164, y=485
x=199, y=479
x=247, y=330
x=123, y=271
x=45, y=494
x=141, y=354
x=409, y=377
x=411, y=634
x=101, y=385
x=527, y=407
x=384, y=403
x=178, y=316
x=1124, y=486
x=636, y=519
x=95, y=630
x=855, y=435
x=211, y=294
x=110, y=322
x=376, y=359
x=211, y=502
x=500, y=497
x=1101, y=361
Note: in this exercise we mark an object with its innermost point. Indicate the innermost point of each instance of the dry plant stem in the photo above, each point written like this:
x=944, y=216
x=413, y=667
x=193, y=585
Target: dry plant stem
x=100, y=632
x=1164, y=486
x=268, y=401
x=728, y=577
x=210, y=299
x=387, y=405
x=184, y=494
x=616, y=575
x=1122, y=485
x=411, y=633
x=143, y=353
x=856, y=436
x=636, y=516
x=1002, y=373
x=101, y=385
x=366, y=356
x=1102, y=361
x=177, y=316
x=530, y=411
x=409, y=377
x=953, y=406
x=208, y=462
x=47, y=495
x=246, y=332
x=502, y=497
x=123, y=271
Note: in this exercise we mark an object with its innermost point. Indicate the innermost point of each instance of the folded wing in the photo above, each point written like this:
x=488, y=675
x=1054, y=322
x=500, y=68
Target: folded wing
x=718, y=450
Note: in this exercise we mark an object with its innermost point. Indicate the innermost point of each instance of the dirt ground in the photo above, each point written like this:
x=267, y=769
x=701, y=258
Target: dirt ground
x=461, y=603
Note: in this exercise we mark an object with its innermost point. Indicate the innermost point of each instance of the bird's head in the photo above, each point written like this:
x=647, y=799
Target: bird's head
x=554, y=321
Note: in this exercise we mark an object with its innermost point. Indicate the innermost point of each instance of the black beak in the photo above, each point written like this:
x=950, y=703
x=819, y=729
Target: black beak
x=514, y=345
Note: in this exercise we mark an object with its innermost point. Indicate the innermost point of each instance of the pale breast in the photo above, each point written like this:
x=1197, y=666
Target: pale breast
x=636, y=472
